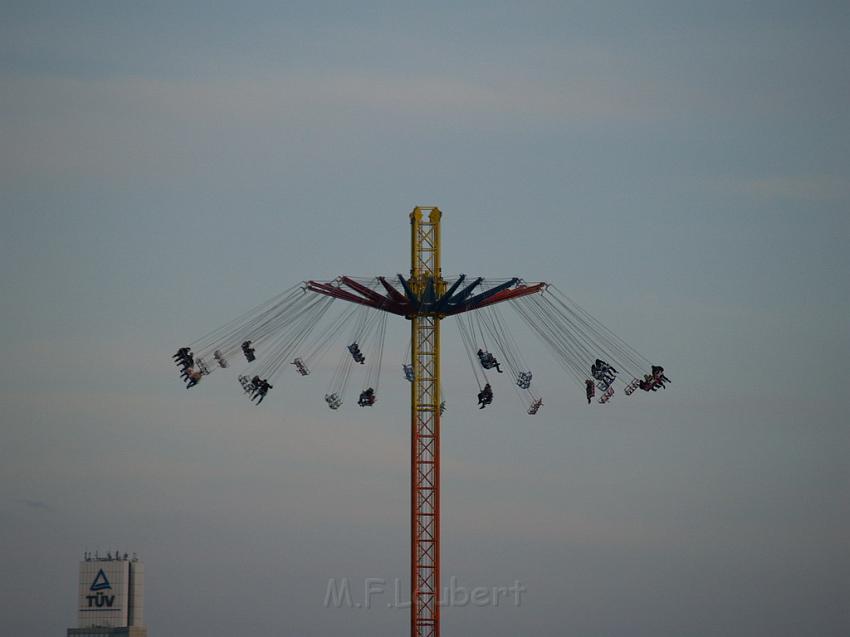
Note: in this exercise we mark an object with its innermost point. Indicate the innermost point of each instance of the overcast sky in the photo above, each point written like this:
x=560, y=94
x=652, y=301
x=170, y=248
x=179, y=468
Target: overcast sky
x=680, y=169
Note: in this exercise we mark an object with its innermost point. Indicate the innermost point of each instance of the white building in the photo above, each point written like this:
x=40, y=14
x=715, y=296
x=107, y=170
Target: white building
x=111, y=596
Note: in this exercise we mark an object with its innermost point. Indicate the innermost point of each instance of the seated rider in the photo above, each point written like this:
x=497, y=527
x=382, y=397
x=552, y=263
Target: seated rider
x=488, y=361
x=194, y=378
x=356, y=354
x=657, y=378
x=262, y=390
x=258, y=388
x=605, y=369
x=658, y=373
x=488, y=394
x=367, y=398
x=604, y=366
x=248, y=351
x=485, y=396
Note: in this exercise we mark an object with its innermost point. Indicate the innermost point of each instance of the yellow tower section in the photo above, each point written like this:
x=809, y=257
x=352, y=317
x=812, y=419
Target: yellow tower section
x=425, y=280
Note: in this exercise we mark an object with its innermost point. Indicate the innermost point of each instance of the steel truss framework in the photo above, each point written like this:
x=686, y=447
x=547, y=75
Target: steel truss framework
x=426, y=279
x=424, y=299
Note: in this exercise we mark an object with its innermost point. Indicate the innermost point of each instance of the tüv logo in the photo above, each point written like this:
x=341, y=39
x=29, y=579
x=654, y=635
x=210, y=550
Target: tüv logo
x=100, y=583
x=100, y=599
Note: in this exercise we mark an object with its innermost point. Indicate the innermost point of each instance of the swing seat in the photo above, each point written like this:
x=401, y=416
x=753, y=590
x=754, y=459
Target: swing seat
x=333, y=400
x=301, y=367
x=523, y=380
x=606, y=396
x=247, y=385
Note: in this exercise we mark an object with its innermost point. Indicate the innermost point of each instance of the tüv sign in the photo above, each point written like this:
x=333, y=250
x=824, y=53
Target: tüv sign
x=100, y=599
x=103, y=591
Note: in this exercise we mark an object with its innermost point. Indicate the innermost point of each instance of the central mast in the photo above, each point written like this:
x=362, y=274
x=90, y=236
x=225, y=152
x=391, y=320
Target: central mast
x=426, y=281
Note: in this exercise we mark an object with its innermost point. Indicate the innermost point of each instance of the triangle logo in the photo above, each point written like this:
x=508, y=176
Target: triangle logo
x=100, y=582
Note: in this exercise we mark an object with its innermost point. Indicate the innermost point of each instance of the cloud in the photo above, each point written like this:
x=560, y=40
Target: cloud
x=813, y=188
x=819, y=188
x=64, y=126
x=34, y=504
x=276, y=96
